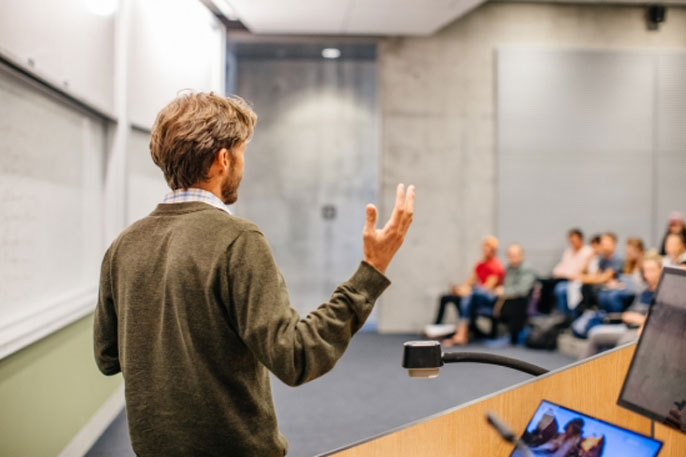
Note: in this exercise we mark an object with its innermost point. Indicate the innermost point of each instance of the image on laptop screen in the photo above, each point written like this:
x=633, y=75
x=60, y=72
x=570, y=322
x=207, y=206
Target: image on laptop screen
x=655, y=384
x=562, y=432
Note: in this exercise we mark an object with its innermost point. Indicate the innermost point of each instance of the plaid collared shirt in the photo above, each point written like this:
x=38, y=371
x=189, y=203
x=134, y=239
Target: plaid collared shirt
x=195, y=195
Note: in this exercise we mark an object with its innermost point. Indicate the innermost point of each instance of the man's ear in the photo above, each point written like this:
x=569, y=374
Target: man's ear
x=224, y=158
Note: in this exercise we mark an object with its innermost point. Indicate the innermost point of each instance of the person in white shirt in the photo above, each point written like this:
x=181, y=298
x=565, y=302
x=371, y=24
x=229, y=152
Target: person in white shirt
x=574, y=259
x=569, y=294
x=590, y=267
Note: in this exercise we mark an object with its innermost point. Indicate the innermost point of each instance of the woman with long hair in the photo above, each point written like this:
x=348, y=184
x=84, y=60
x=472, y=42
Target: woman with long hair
x=675, y=251
x=676, y=225
x=614, y=297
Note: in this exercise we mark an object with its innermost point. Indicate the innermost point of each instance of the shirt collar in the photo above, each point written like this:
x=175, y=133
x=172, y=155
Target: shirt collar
x=195, y=194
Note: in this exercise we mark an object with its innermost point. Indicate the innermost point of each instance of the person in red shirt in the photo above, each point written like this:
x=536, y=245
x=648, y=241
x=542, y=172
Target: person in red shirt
x=488, y=275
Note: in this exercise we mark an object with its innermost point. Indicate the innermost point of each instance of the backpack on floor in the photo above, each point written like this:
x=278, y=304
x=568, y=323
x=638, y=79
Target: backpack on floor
x=544, y=330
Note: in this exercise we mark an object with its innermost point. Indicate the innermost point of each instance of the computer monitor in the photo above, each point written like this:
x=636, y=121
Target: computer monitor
x=655, y=384
x=559, y=431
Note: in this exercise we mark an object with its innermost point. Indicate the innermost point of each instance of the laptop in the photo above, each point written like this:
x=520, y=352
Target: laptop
x=561, y=432
x=655, y=385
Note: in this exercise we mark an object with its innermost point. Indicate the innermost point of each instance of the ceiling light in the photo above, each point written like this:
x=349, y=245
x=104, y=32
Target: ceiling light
x=226, y=9
x=331, y=53
x=102, y=7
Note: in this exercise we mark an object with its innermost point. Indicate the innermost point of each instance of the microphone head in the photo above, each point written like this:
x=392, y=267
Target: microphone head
x=422, y=359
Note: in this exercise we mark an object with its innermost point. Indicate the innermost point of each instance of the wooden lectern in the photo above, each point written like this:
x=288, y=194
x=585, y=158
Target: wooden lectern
x=591, y=387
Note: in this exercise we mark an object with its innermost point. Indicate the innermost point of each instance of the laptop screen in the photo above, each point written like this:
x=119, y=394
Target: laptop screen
x=562, y=432
x=655, y=385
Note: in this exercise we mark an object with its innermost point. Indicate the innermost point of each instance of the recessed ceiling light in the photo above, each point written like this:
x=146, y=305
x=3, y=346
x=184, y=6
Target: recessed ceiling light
x=331, y=53
x=102, y=7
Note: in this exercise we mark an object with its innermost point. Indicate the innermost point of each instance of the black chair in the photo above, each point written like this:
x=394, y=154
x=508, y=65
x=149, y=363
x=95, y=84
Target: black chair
x=514, y=313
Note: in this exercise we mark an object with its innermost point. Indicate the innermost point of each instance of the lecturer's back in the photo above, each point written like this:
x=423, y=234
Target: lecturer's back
x=193, y=309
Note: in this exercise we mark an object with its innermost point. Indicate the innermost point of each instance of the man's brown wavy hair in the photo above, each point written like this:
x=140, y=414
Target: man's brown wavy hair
x=190, y=130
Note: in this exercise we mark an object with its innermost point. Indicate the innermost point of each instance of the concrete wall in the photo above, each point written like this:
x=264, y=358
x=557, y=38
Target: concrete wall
x=593, y=137
x=437, y=104
x=315, y=144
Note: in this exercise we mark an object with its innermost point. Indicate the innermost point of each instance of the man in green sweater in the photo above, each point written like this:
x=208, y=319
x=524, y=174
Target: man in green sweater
x=193, y=310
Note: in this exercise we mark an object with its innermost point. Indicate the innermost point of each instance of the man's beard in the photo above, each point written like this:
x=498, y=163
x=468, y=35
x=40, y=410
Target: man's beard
x=230, y=187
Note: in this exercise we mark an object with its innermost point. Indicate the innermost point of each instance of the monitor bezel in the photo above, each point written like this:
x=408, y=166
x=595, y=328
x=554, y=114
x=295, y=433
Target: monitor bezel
x=610, y=424
x=626, y=403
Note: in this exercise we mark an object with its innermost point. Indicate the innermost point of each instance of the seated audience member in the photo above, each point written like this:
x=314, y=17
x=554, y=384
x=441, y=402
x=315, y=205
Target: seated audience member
x=609, y=268
x=519, y=280
x=573, y=262
x=603, y=258
x=575, y=257
x=612, y=298
x=608, y=336
x=675, y=251
x=675, y=226
x=592, y=266
x=488, y=274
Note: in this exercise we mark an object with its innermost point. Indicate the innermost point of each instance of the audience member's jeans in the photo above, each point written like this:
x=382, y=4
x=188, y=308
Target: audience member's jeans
x=479, y=299
x=445, y=300
x=613, y=300
x=466, y=306
x=482, y=297
x=561, y=298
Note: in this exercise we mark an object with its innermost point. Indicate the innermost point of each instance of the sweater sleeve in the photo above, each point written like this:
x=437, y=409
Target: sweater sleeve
x=105, y=342
x=295, y=349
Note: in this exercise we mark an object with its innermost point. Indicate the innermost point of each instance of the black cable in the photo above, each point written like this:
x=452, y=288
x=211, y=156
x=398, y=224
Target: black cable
x=494, y=359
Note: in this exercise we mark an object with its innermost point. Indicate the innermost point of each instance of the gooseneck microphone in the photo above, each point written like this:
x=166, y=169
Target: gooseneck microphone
x=494, y=359
x=424, y=359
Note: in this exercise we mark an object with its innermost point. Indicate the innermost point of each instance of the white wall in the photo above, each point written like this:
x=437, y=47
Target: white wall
x=173, y=45
x=66, y=42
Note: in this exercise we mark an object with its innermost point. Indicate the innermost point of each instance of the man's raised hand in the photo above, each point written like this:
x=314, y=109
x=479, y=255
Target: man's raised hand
x=380, y=245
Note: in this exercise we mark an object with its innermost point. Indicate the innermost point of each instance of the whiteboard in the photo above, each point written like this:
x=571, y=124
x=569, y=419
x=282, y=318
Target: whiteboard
x=51, y=233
